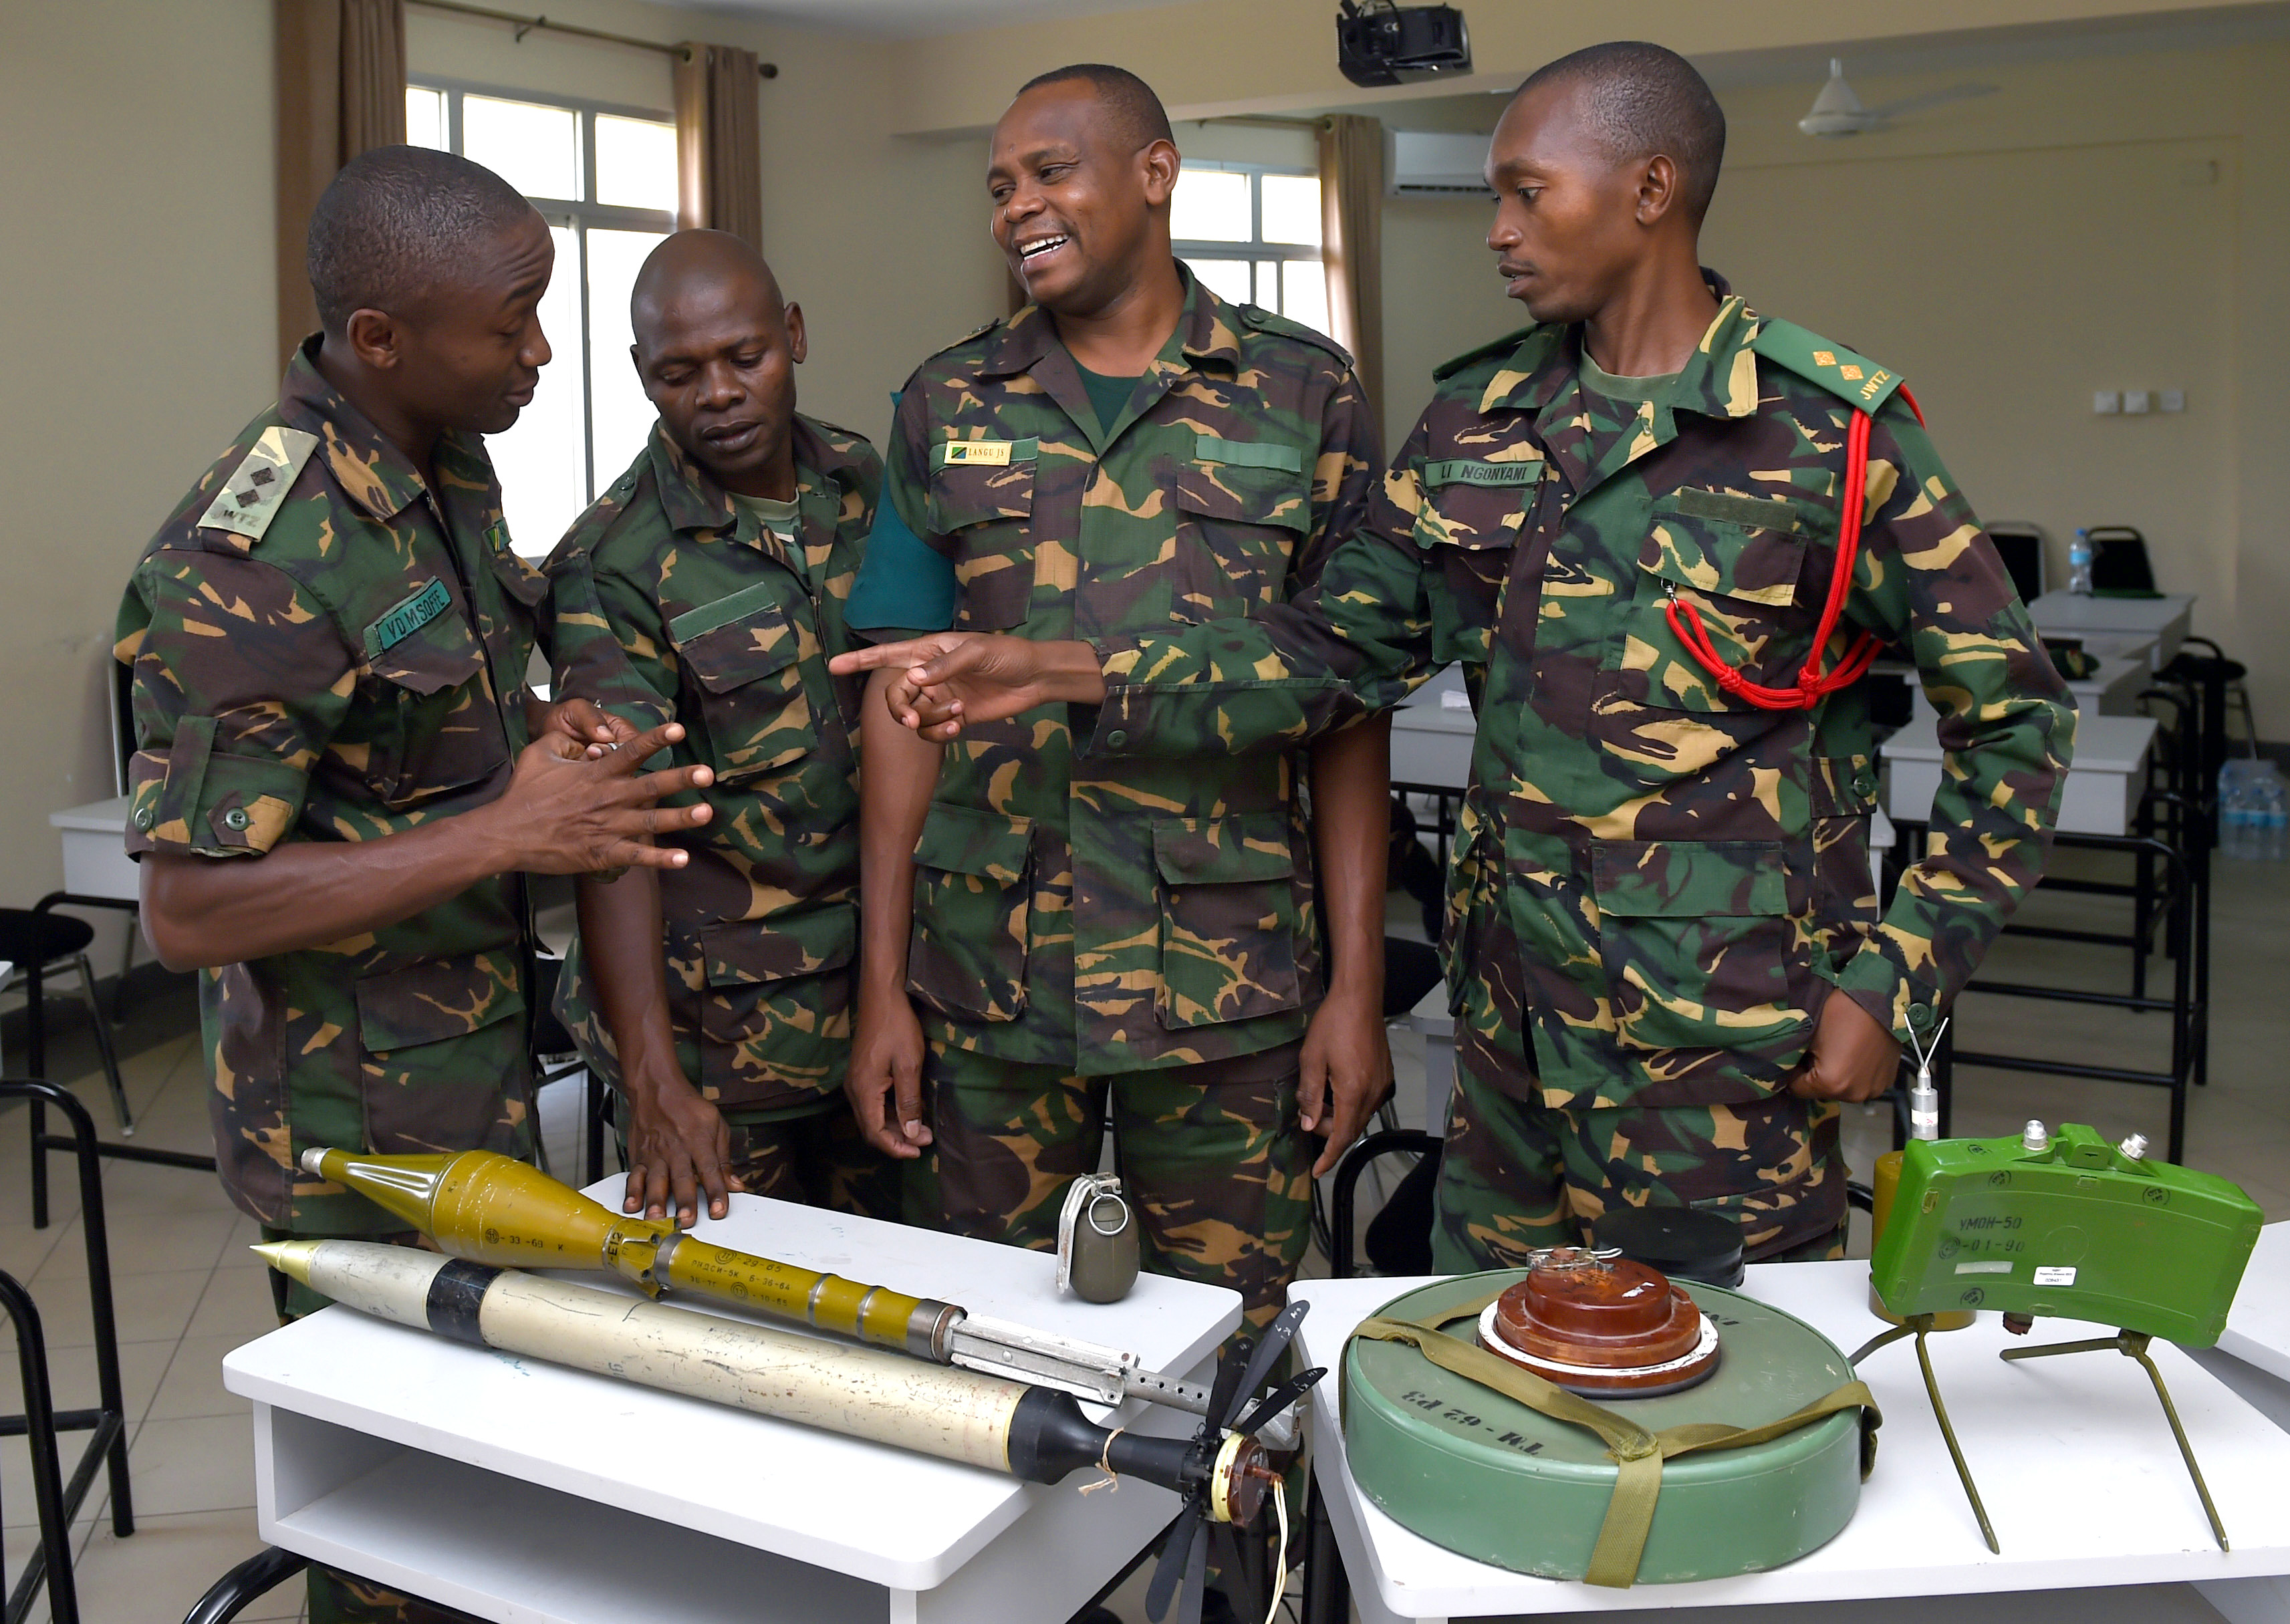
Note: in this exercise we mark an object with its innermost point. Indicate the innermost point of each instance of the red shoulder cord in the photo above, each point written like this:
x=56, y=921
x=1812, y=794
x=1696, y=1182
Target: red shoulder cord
x=1813, y=683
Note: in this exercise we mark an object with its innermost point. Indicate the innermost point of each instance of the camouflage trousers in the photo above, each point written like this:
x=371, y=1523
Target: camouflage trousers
x=1211, y=1156
x=1516, y=1176
x=815, y=1158
x=337, y=1597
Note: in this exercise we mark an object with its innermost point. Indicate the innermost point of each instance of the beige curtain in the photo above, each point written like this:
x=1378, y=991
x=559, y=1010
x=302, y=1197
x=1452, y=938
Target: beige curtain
x=719, y=157
x=1351, y=236
x=342, y=90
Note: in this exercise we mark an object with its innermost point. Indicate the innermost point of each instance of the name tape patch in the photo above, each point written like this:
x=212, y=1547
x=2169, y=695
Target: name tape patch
x=1459, y=471
x=407, y=616
x=982, y=453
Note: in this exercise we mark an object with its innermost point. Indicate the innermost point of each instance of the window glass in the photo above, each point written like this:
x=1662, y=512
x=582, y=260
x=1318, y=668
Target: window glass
x=1304, y=292
x=536, y=150
x=1292, y=209
x=1228, y=279
x=542, y=461
x=425, y=119
x=1268, y=283
x=636, y=162
x=1210, y=205
x=620, y=415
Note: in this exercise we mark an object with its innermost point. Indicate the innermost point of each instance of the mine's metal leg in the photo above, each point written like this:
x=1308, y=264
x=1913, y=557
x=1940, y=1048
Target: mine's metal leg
x=2133, y=1345
x=1919, y=1326
x=1955, y=1453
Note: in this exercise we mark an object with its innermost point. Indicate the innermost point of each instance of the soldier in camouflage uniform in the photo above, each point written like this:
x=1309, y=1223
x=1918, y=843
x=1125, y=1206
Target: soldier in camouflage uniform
x=1145, y=941
x=334, y=788
x=707, y=587
x=1663, y=936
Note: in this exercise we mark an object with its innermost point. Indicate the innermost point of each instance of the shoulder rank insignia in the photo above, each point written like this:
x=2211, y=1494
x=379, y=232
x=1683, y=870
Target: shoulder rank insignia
x=1502, y=345
x=1857, y=379
x=251, y=496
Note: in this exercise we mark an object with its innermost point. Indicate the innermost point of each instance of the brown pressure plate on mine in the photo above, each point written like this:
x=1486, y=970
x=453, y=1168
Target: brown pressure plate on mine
x=1595, y=1322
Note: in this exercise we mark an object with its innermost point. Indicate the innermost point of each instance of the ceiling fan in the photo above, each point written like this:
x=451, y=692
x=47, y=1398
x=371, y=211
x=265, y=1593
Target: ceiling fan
x=1838, y=111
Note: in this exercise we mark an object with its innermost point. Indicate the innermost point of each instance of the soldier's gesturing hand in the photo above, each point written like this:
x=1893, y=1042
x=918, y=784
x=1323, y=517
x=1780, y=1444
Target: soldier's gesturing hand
x=565, y=813
x=949, y=678
x=1852, y=1057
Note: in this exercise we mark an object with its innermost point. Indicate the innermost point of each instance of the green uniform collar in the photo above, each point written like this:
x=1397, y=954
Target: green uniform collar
x=365, y=463
x=693, y=499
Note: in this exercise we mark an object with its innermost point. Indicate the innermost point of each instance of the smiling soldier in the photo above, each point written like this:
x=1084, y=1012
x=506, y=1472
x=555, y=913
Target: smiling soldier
x=1047, y=943
x=1661, y=534
x=707, y=587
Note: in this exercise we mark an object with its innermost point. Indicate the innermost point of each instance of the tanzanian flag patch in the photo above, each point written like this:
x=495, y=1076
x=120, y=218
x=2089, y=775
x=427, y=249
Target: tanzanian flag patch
x=407, y=616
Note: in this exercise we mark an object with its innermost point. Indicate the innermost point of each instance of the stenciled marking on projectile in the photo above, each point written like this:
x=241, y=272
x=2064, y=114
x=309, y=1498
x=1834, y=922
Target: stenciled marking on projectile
x=1440, y=1409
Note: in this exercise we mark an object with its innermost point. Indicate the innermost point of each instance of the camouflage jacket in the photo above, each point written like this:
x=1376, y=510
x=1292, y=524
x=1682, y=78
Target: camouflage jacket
x=328, y=648
x=673, y=604
x=1135, y=913
x=1654, y=883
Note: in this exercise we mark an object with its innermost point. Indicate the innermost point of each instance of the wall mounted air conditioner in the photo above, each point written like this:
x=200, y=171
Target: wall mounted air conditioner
x=1433, y=163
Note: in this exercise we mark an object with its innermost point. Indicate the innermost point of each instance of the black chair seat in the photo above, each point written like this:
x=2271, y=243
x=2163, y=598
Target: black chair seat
x=2187, y=668
x=29, y=938
x=1410, y=969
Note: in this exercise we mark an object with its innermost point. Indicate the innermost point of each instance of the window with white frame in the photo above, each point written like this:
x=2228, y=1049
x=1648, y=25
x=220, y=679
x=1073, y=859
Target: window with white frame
x=604, y=179
x=1253, y=234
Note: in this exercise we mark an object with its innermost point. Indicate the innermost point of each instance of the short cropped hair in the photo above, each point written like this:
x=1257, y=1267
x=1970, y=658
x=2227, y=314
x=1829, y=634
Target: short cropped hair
x=396, y=221
x=1137, y=111
x=1643, y=100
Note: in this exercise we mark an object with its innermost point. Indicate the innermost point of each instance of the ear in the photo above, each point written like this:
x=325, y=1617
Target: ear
x=635, y=360
x=1657, y=190
x=375, y=339
x=798, y=341
x=1160, y=163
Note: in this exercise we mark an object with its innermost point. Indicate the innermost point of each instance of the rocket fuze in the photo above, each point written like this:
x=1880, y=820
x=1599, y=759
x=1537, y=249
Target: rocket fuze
x=491, y=1209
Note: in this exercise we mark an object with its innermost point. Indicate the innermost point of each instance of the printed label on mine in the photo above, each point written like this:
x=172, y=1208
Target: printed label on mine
x=2054, y=1276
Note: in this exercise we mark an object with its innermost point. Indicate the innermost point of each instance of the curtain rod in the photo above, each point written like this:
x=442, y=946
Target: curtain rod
x=526, y=25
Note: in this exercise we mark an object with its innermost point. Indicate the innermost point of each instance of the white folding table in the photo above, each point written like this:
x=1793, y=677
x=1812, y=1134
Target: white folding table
x=2071, y=1455
x=523, y=1492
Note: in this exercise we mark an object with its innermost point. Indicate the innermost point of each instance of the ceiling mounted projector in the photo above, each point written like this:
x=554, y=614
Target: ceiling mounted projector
x=1379, y=43
x=1838, y=111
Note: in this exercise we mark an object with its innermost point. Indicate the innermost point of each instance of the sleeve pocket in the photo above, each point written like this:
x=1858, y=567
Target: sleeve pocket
x=198, y=799
x=1230, y=919
x=973, y=879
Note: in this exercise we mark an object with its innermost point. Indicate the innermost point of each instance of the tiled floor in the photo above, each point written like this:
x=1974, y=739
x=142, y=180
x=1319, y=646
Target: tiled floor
x=188, y=1290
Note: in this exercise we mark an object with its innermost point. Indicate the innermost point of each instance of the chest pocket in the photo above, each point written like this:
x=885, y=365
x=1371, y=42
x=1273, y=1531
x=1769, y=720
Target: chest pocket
x=986, y=510
x=437, y=727
x=1242, y=506
x=1740, y=562
x=1468, y=518
x=745, y=652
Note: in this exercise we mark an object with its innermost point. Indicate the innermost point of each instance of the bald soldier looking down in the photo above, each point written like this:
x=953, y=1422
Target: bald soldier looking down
x=1624, y=521
x=706, y=587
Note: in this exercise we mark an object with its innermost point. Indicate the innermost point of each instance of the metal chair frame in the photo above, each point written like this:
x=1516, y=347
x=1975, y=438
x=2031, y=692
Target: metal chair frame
x=35, y=1061
x=60, y=1498
x=245, y=1584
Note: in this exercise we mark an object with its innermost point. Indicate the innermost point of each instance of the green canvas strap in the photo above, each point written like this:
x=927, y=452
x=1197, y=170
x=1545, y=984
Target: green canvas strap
x=1637, y=1453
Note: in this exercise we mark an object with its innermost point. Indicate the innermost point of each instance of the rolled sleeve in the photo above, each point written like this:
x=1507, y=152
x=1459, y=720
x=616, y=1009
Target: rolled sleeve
x=240, y=679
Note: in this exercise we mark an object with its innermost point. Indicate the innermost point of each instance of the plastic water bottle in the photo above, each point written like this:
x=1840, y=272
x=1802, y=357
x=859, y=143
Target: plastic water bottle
x=2235, y=810
x=2079, y=563
x=2270, y=820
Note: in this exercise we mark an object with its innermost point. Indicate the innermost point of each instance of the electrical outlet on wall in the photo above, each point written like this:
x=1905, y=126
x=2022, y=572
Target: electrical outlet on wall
x=2135, y=402
x=2172, y=400
x=2106, y=403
